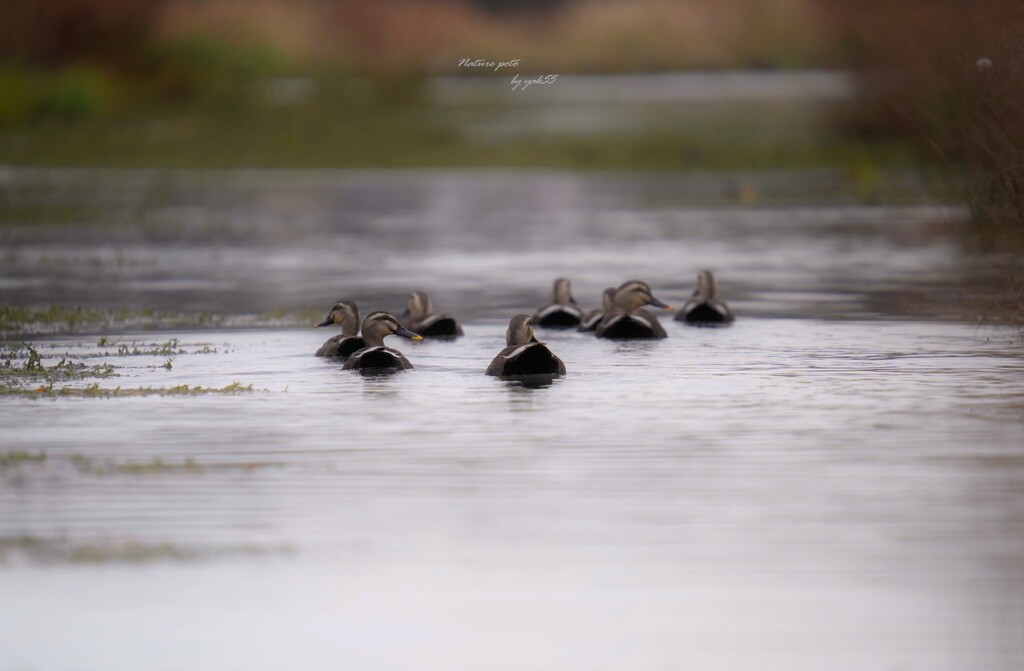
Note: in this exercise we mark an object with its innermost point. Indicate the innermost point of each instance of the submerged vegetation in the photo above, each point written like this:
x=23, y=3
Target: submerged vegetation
x=29, y=320
x=21, y=321
x=22, y=463
x=162, y=349
x=17, y=458
x=158, y=466
x=104, y=467
x=25, y=373
x=95, y=390
x=61, y=550
x=34, y=370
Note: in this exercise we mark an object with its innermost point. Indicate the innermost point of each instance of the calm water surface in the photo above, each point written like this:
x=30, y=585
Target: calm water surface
x=826, y=484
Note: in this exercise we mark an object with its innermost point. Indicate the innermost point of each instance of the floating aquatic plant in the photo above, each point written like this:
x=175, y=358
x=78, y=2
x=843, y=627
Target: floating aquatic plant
x=33, y=369
x=22, y=321
x=11, y=459
x=59, y=550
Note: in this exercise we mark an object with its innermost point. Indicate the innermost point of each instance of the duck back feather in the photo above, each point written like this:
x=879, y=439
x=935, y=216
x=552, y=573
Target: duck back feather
x=558, y=316
x=711, y=313
x=341, y=346
x=630, y=325
x=530, y=359
x=437, y=326
x=379, y=358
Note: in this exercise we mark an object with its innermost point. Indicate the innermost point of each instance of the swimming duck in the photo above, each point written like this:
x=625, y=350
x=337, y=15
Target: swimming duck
x=593, y=318
x=704, y=308
x=420, y=318
x=375, y=356
x=346, y=314
x=563, y=311
x=628, y=319
x=523, y=355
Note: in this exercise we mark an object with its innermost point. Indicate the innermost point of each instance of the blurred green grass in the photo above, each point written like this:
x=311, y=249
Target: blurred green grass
x=223, y=85
x=353, y=122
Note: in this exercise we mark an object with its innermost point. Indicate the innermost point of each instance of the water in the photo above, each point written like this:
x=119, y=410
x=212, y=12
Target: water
x=835, y=481
x=484, y=243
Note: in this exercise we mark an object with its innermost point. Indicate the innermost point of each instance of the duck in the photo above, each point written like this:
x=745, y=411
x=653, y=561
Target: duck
x=345, y=314
x=420, y=317
x=523, y=354
x=590, y=320
x=704, y=308
x=627, y=318
x=563, y=311
x=376, y=356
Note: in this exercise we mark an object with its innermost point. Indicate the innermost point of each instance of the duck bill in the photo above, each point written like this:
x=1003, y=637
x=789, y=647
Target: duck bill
x=326, y=322
x=406, y=333
x=659, y=304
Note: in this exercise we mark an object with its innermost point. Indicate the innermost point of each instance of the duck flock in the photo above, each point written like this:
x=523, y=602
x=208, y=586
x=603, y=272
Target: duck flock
x=623, y=315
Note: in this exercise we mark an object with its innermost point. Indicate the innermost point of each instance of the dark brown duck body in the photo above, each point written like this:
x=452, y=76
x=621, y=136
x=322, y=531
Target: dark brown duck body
x=379, y=358
x=420, y=317
x=524, y=356
x=620, y=325
x=346, y=315
x=705, y=308
x=341, y=346
x=562, y=312
x=628, y=319
x=590, y=320
x=376, y=357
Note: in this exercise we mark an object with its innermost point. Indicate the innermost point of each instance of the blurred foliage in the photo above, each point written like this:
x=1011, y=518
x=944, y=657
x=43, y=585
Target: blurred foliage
x=180, y=47
x=74, y=60
x=78, y=92
x=344, y=122
x=54, y=33
x=950, y=76
x=73, y=93
x=346, y=82
x=562, y=37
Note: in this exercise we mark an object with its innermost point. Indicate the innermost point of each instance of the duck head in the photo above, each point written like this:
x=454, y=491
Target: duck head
x=379, y=325
x=608, y=299
x=635, y=294
x=345, y=314
x=707, y=286
x=561, y=292
x=520, y=331
x=419, y=305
